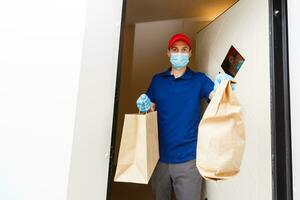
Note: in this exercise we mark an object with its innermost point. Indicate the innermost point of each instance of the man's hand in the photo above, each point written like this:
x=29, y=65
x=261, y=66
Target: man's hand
x=218, y=80
x=221, y=77
x=143, y=103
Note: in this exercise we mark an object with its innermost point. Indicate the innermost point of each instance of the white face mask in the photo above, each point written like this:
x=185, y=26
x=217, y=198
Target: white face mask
x=179, y=60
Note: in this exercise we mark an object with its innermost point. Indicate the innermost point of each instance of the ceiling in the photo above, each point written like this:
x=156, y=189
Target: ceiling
x=155, y=10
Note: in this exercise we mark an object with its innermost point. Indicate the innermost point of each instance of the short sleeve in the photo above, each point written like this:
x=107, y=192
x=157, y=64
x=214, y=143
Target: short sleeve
x=150, y=92
x=207, y=88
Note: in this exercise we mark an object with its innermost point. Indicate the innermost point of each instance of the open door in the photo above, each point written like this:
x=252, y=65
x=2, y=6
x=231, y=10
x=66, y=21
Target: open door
x=240, y=25
x=95, y=102
x=144, y=53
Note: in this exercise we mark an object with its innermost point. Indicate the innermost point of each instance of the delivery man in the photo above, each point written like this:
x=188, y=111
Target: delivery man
x=176, y=94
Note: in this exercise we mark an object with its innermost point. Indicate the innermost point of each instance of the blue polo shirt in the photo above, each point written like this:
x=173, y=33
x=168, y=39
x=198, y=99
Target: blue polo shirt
x=178, y=105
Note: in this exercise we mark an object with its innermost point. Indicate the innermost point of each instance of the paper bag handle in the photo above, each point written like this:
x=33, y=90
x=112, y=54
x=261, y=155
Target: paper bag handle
x=148, y=111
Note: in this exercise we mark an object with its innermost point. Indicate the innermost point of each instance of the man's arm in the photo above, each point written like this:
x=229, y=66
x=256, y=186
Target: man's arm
x=207, y=89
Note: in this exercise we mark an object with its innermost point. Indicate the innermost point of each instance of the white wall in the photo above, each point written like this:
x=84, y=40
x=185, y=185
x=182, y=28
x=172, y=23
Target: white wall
x=294, y=63
x=40, y=58
x=58, y=62
x=94, y=113
x=244, y=26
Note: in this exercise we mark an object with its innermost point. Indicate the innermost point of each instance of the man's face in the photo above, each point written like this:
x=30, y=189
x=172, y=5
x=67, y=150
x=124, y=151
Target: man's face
x=179, y=47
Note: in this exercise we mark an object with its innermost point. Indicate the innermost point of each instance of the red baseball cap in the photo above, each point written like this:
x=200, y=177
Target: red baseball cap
x=179, y=37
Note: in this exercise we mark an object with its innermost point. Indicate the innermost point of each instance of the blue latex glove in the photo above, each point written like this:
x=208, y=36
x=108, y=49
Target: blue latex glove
x=221, y=77
x=143, y=103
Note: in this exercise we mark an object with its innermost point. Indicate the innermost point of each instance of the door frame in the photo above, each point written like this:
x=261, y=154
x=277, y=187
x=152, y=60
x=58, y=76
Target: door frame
x=282, y=183
x=280, y=102
x=112, y=167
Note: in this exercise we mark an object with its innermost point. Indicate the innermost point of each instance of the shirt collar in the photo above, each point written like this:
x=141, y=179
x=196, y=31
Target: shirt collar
x=187, y=74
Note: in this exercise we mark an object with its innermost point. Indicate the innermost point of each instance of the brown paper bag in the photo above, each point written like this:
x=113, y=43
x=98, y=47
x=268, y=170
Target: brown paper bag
x=221, y=136
x=138, y=153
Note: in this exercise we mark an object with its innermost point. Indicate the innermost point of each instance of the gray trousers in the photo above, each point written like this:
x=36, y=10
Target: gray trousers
x=183, y=178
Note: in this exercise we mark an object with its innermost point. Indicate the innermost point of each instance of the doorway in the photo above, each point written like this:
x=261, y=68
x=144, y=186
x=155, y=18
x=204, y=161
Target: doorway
x=147, y=26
